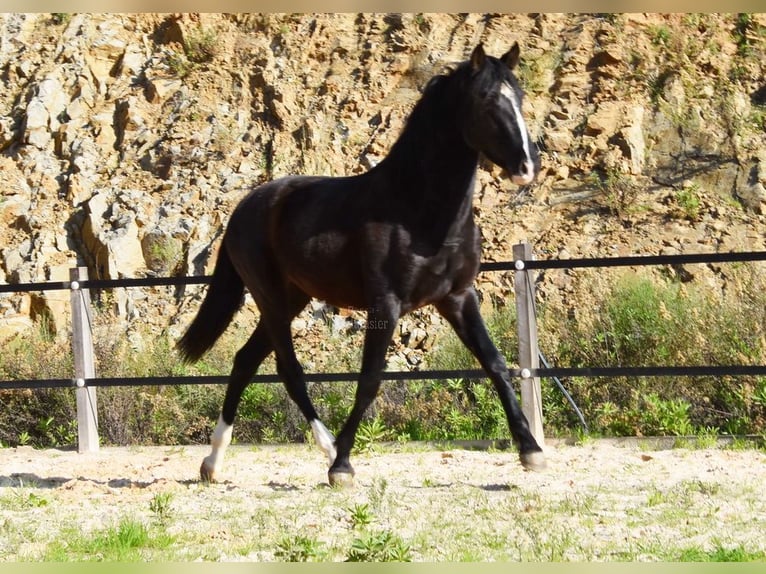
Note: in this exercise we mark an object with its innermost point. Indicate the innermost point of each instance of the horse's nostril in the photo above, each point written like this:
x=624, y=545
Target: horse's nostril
x=526, y=168
x=525, y=174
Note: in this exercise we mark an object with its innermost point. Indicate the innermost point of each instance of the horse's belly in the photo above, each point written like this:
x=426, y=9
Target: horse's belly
x=331, y=281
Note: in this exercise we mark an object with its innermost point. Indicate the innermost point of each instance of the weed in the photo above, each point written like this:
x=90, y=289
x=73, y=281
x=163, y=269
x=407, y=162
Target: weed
x=578, y=504
x=377, y=492
x=707, y=489
x=161, y=506
x=381, y=546
x=545, y=543
x=123, y=543
x=360, y=515
x=757, y=118
x=582, y=437
x=688, y=201
x=666, y=416
x=179, y=65
x=201, y=45
x=299, y=549
x=163, y=253
x=618, y=189
x=55, y=435
x=646, y=321
x=60, y=18
x=656, y=497
x=660, y=35
x=21, y=499
x=707, y=437
x=536, y=74
x=747, y=34
x=370, y=431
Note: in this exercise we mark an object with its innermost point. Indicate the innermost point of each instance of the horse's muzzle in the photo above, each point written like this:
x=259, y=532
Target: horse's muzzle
x=526, y=173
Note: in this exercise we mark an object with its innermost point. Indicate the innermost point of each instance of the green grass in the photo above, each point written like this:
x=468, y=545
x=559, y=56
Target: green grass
x=130, y=540
x=21, y=499
x=360, y=515
x=721, y=554
x=645, y=320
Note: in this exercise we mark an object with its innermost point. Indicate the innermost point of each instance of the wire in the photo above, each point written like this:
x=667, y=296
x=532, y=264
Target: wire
x=566, y=394
x=639, y=260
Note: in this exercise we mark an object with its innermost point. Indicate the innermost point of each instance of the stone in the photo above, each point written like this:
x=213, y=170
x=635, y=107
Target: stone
x=162, y=252
x=338, y=78
x=112, y=241
x=37, y=132
x=559, y=140
x=160, y=89
x=14, y=325
x=753, y=196
x=54, y=98
x=606, y=119
x=631, y=140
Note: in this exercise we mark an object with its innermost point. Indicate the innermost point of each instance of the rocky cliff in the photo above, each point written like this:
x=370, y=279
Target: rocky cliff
x=126, y=140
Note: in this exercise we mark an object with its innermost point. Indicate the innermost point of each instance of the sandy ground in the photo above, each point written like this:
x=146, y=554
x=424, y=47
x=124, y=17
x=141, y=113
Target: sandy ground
x=255, y=467
x=608, y=482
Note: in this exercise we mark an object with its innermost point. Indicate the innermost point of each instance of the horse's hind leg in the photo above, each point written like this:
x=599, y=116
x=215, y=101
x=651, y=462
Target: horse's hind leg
x=288, y=366
x=292, y=374
x=246, y=363
x=462, y=312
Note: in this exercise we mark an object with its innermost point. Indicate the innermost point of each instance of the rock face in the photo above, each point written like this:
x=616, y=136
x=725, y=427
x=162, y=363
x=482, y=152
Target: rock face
x=125, y=140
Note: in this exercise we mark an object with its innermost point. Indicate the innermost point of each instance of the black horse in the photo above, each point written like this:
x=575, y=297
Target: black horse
x=389, y=241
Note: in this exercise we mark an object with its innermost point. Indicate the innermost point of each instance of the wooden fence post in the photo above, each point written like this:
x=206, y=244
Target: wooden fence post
x=82, y=349
x=524, y=287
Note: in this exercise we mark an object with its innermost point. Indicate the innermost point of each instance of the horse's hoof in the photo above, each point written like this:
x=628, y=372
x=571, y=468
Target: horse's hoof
x=341, y=479
x=533, y=461
x=206, y=473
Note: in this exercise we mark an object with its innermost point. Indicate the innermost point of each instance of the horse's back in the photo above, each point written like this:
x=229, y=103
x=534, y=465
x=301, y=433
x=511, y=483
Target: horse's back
x=300, y=229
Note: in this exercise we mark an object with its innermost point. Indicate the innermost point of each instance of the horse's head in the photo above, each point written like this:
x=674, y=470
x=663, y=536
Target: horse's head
x=493, y=123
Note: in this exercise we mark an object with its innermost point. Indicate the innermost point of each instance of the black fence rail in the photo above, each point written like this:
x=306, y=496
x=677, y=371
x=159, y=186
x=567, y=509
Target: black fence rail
x=529, y=371
x=516, y=265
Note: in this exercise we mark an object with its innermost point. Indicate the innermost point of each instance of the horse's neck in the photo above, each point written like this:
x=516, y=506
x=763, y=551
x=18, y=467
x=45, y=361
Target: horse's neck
x=432, y=169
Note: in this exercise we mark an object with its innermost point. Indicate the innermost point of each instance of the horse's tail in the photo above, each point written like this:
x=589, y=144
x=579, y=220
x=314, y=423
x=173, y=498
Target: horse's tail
x=223, y=298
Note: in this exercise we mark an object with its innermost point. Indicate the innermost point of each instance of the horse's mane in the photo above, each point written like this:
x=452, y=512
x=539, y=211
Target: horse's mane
x=438, y=96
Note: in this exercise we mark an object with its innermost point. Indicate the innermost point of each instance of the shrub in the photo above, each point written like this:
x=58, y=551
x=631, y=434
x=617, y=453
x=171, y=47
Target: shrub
x=642, y=322
x=39, y=417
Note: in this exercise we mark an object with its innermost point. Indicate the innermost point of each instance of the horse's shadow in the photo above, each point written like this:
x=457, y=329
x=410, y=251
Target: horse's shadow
x=31, y=480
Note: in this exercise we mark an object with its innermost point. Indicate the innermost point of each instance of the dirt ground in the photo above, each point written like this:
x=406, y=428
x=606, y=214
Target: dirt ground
x=622, y=493
x=247, y=467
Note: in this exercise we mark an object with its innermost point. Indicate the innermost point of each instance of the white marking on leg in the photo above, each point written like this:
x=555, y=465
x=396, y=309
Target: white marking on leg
x=220, y=440
x=324, y=439
x=507, y=91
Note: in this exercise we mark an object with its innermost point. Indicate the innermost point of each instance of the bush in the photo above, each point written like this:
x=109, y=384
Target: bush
x=643, y=322
x=42, y=417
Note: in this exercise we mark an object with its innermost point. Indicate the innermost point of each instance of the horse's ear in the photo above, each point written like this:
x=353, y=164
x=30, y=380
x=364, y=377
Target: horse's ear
x=477, y=58
x=511, y=57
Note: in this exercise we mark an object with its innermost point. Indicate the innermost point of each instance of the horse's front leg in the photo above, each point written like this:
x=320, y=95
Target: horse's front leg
x=381, y=321
x=462, y=311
